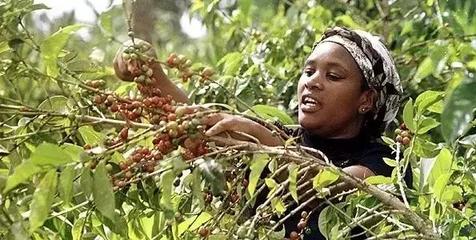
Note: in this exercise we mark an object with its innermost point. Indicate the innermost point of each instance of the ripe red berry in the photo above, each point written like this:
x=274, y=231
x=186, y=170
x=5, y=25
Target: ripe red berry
x=128, y=175
x=301, y=225
x=204, y=232
x=245, y=183
x=124, y=133
x=171, y=117
x=187, y=154
x=123, y=165
x=172, y=60
x=116, y=182
x=98, y=99
x=121, y=184
x=114, y=107
x=147, y=102
x=234, y=197
x=158, y=156
x=294, y=236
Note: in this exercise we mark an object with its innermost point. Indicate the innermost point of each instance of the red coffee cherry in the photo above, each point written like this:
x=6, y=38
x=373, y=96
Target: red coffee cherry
x=294, y=236
x=204, y=232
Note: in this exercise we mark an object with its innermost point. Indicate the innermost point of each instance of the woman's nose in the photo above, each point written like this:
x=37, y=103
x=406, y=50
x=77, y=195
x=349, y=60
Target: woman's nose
x=314, y=82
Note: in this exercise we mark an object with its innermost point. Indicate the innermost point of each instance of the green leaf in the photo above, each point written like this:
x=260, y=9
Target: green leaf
x=39, y=6
x=324, y=178
x=346, y=20
x=388, y=141
x=86, y=181
x=194, y=222
x=426, y=125
x=408, y=115
x=428, y=99
x=74, y=151
x=78, y=227
x=102, y=192
x=272, y=186
x=231, y=62
x=273, y=113
x=196, y=187
x=258, y=163
x=293, y=172
x=390, y=162
x=441, y=165
x=166, y=181
x=452, y=194
x=52, y=46
x=90, y=136
x=50, y=154
x=374, y=180
x=124, y=89
x=424, y=69
x=66, y=184
x=278, y=205
x=471, y=64
x=326, y=220
x=440, y=185
x=42, y=200
x=59, y=104
x=105, y=21
x=117, y=225
x=4, y=47
x=458, y=112
x=21, y=174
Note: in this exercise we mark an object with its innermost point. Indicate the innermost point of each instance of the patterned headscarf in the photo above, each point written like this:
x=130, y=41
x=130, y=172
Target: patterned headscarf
x=377, y=67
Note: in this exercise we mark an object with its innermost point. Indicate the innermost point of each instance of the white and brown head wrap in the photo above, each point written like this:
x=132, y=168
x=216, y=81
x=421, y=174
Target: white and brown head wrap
x=377, y=66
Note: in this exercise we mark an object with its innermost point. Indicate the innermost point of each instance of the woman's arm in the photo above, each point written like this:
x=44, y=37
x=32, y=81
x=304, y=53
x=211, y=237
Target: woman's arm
x=166, y=85
x=221, y=122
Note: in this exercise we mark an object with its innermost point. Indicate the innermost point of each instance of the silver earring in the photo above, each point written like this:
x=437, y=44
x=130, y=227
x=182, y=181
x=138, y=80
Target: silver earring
x=363, y=110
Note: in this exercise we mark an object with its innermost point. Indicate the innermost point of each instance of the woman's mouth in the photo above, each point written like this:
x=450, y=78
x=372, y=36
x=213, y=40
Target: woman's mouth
x=309, y=104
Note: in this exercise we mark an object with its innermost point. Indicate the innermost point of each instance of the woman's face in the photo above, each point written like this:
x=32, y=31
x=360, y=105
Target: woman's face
x=330, y=93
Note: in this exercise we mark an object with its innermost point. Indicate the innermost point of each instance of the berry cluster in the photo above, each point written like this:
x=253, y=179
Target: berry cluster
x=95, y=83
x=403, y=135
x=136, y=51
x=181, y=63
x=178, y=128
x=141, y=160
x=153, y=108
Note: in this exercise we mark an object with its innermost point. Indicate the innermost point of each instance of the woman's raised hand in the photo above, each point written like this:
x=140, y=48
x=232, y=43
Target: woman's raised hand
x=127, y=63
x=144, y=68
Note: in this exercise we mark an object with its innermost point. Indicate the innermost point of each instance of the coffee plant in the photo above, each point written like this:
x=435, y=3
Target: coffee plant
x=86, y=156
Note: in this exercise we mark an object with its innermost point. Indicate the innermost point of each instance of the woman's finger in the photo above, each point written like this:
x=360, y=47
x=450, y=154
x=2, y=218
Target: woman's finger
x=212, y=119
x=219, y=127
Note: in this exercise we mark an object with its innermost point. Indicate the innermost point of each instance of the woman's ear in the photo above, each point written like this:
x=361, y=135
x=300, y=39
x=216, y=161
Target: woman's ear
x=367, y=100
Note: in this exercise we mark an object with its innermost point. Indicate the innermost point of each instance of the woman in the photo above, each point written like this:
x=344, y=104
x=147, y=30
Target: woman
x=348, y=92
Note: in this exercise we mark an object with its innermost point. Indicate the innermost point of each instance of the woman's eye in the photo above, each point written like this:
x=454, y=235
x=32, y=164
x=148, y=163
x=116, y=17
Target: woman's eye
x=333, y=76
x=308, y=72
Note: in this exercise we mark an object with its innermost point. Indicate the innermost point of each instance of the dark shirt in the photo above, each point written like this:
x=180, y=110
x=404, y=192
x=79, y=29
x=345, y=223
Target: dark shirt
x=361, y=150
